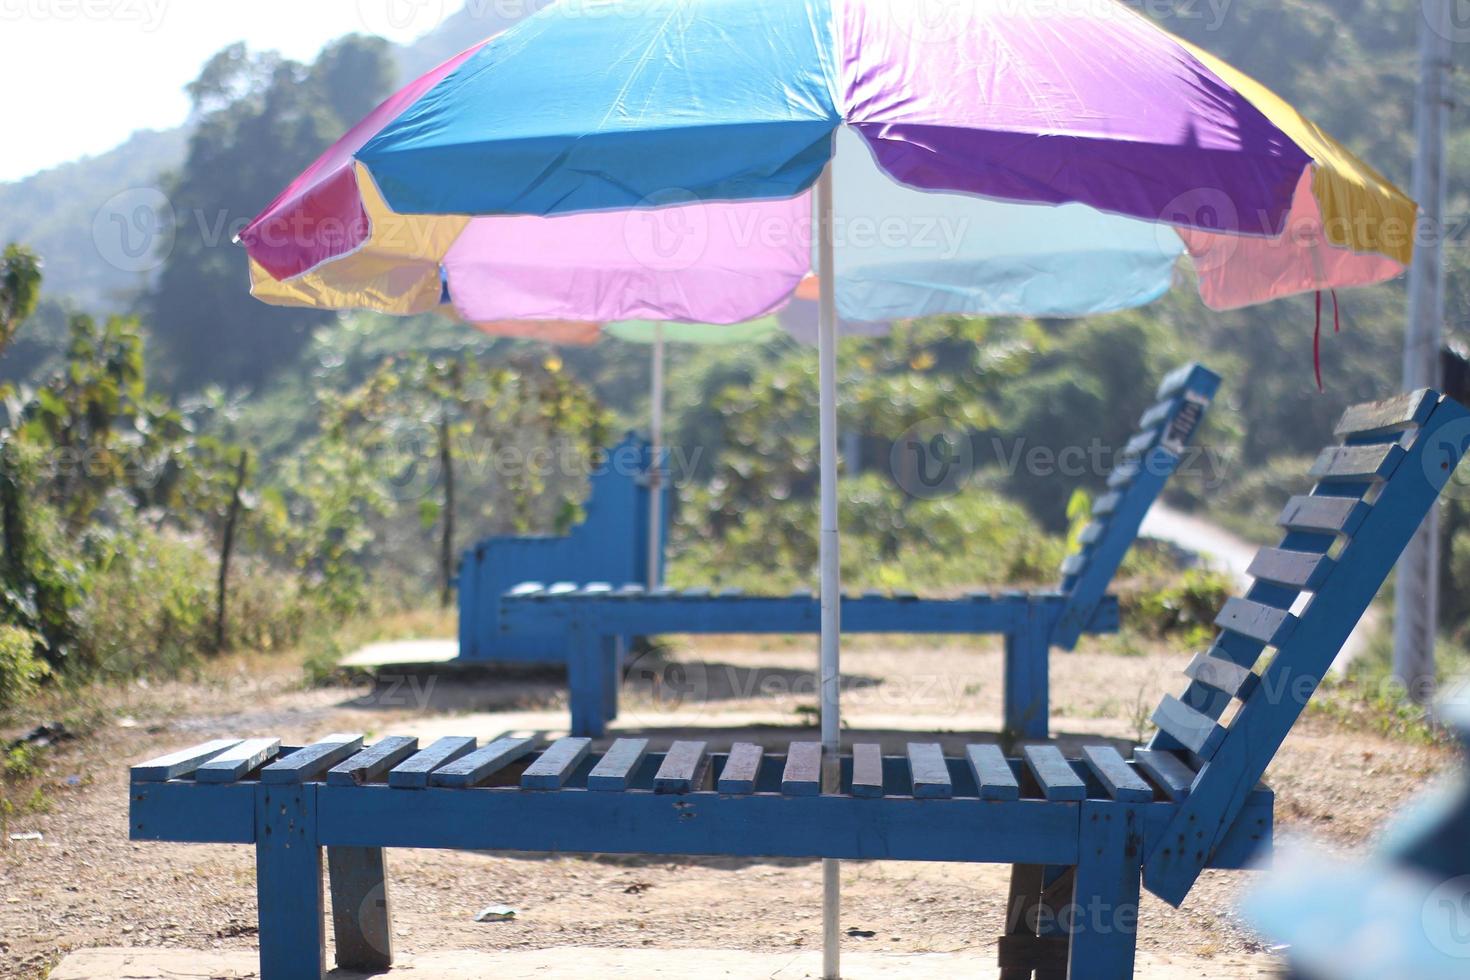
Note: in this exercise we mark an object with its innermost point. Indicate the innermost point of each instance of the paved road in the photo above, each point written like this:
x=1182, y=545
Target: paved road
x=1229, y=553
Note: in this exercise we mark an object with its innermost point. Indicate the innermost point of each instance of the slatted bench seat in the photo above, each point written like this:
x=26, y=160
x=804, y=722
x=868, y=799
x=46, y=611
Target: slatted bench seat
x=1084, y=835
x=921, y=805
x=592, y=619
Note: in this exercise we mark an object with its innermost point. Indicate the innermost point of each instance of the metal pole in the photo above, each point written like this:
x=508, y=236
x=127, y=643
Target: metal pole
x=831, y=573
x=1416, y=597
x=656, y=470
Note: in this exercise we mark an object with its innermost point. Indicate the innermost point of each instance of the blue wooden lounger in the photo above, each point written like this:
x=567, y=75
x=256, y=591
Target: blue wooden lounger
x=594, y=620
x=1083, y=835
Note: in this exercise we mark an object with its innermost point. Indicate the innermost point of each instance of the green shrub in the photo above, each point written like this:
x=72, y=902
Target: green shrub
x=1183, y=609
x=21, y=671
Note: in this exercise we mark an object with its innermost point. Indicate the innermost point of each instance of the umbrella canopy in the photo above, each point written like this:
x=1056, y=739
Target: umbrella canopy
x=652, y=159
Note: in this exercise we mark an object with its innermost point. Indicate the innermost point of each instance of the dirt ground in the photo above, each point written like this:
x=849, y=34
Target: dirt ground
x=85, y=885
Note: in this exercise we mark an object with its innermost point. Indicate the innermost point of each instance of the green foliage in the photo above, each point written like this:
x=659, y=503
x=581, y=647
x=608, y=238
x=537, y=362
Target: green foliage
x=21, y=671
x=20, y=289
x=260, y=120
x=1183, y=607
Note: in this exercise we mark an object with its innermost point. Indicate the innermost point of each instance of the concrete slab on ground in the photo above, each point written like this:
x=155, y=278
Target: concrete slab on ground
x=402, y=654
x=625, y=964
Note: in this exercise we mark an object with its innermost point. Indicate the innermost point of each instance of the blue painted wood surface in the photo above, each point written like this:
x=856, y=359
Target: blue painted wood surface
x=1424, y=458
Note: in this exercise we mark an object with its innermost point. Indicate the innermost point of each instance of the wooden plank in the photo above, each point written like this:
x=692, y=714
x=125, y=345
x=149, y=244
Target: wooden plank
x=928, y=772
x=1195, y=731
x=1122, y=474
x=615, y=771
x=1222, y=675
x=313, y=760
x=477, y=766
x=1293, y=569
x=288, y=880
x=683, y=768
x=994, y=778
x=1140, y=442
x=180, y=763
x=1357, y=464
x=1117, y=777
x=239, y=761
x=1106, y=504
x=1390, y=415
x=1059, y=782
x=556, y=764
x=1324, y=515
x=1157, y=412
x=373, y=762
x=867, y=770
x=742, y=769
x=1167, y=770
x=414, y=772
x=1262, y=623
x=362, y=919
x=1074, y=564
x=526, y=590
x=803, y=773
x=1092, y=533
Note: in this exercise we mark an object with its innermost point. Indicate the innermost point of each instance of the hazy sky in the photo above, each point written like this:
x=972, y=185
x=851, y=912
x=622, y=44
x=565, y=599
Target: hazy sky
x=78, y=76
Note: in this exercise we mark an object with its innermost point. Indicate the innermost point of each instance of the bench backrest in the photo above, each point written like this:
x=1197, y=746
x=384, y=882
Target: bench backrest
x=1341, y=542
x=1148, y=460
x=610, y=545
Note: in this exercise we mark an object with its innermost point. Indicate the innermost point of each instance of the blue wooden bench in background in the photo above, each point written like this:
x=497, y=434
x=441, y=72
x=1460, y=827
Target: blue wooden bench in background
x=1083, y=835
x=610, y=544
x=594, y=617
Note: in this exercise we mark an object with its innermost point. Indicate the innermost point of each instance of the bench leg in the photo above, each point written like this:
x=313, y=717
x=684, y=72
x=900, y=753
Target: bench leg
x=1034, y=943
x=1103, y=919
x=587, y=675
x=614, y=648
x=362, y=921
x=1027, y=695
x=288, y=884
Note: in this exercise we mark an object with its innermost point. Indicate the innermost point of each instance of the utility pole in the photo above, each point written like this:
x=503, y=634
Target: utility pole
x=1416, y=616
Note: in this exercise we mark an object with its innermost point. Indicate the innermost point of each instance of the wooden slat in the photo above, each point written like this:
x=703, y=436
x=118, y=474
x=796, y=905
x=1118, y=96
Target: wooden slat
x=414, y=772
x=1092, y=533
x=1139, y=443
x=1195, y=731
x=527, y=589
x=563, y=588
x=373, y=762
x=803, y=773
x=994, y=778
x=1323, y=515
x=1106, y=504
x=1167, y=771
x=1263, y=623
x=1059, y=782
x=867, y=770
x=1222, y=675
x=481, y=764
x=683, y=768
x=1390, y=415
x=1074, y=564
x=1293, y=569
x=615, y=771
x=928, y=772
x=556, y=764
x=699, y=592
x=180, y=763
x=742, y=769
x=239, y=761
x=1122, y=474
x=1157, y=413
x=1117, y=777
x=313, y=760
x=729, y=593
x=1175, y=380
x=1356, y=464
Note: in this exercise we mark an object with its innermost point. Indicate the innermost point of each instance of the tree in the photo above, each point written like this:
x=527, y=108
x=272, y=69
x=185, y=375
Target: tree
x=20, y=290
x=260, y=120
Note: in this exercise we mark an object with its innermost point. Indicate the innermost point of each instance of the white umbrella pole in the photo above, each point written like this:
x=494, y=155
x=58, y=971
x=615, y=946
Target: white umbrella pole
x=831, y=574
x=655, y=473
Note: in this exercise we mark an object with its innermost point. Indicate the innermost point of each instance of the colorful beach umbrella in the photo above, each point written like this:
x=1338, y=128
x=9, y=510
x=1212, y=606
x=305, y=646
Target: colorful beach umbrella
x=697, y=160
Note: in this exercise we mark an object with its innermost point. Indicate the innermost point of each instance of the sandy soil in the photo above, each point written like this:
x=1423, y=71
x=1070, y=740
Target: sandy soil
x=85, y=885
